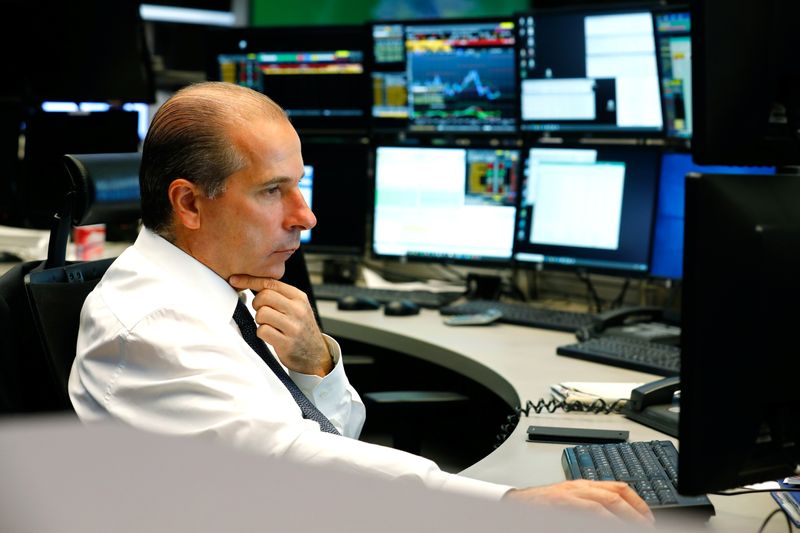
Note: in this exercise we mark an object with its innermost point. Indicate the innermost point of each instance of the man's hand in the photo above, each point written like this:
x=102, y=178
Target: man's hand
x=607, y=498
x=285, y=320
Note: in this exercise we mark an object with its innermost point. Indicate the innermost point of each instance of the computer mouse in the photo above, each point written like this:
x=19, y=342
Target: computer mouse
x=357, y=303
x=400, y=308
x=9, y=257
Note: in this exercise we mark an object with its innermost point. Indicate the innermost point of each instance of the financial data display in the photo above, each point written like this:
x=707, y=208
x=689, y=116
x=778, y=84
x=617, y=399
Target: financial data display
x=317, y=74
x=389, y=83
x=445, y=203
x=461, y=76
x=673, y=33
x=589, y=208
x=589, y=71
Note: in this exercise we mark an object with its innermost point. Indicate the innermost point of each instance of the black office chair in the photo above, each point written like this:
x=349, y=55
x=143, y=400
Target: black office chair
x=40, y=301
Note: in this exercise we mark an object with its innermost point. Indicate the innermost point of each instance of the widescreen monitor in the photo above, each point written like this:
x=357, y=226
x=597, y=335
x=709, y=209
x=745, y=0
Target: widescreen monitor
x=336, y=186
x=673, y=36
x=587, y=208
x=739, y=364
x=78, y=51
x=667, y=257
x=445, y=204
x=316, y=73
x=588, y=71
x=461, y=76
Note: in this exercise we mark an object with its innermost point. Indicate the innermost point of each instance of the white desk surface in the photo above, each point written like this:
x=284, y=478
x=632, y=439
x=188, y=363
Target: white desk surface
x=520, y=364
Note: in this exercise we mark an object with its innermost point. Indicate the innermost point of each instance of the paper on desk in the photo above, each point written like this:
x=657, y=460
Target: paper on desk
x=375, y=281
x=28, y=244
x=589, y=391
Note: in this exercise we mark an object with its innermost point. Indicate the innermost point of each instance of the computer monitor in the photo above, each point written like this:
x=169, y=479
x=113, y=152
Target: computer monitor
x=316, y=73
x=83, y=50
x=587, y=208
x=746, y=81
x=336, y=185
x=445, y=204
x=587, y=70
x=388, y=73
x=667, y=257
x=739, y=366
x=674, y=40
x=461, y=75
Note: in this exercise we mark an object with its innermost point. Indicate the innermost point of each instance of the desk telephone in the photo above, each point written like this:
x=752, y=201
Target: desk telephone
x=652, y=403
x=654, y=324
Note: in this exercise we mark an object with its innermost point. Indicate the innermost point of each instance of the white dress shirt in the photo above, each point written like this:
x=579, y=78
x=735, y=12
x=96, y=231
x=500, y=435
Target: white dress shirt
x=158, y=349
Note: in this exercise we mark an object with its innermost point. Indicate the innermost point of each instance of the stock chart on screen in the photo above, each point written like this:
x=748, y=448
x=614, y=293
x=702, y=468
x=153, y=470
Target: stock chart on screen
x=461, y=76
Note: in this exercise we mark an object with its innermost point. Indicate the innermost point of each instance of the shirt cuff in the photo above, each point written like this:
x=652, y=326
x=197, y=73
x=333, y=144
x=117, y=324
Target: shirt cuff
x=319, y=388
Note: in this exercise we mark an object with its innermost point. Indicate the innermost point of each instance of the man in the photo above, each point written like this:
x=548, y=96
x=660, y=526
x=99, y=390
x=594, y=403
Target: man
x=164, y=345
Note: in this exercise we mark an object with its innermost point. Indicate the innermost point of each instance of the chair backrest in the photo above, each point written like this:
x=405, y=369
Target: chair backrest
x=40, y=301
x=56, y=296
x=26, y=382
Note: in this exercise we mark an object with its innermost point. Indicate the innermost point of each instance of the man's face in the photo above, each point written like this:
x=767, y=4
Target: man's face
x=255, y=225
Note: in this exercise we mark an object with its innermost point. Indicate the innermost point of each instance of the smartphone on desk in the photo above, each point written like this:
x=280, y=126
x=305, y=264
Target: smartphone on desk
x=576, y=435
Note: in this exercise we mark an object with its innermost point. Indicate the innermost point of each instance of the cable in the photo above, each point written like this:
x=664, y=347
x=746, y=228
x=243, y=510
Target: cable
x=773, y=513
x=584, y=277
x=621, y=296
x=769, y=517
x=597, y=407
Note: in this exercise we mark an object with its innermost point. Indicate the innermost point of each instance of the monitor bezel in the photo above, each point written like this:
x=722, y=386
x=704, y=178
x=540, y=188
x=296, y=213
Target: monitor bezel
x=224, y=41
x=478, y=134
x=571, y=134
x=655, y=153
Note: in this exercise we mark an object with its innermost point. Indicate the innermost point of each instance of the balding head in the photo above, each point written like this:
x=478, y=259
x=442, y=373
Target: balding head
x=191, y=137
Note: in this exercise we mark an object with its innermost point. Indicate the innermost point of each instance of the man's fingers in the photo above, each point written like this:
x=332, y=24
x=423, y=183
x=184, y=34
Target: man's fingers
x=245, y=281
x=255, y=283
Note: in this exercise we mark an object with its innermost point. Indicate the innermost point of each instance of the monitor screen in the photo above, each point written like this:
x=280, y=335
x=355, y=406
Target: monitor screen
x=317, y=73
x=667, y=257
x=389, y=81
x=588, y=71
x=673, y=35
x=746, y=81
x=739, y=366
x=448, y=204
x=588, y=208
x=78, y=51
x=335, y=185
x=461, y=76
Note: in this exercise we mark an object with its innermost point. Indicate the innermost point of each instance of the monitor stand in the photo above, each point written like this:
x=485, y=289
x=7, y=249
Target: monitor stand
x=483, y=287
x=340, y=271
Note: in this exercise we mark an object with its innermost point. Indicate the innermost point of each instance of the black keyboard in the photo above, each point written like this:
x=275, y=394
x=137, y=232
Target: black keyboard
x=650, y=468
x=523, y=314
x=627, y=352
x=423, y=298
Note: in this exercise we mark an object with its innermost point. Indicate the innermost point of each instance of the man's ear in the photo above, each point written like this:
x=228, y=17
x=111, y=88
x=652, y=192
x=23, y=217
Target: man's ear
x=183, y=196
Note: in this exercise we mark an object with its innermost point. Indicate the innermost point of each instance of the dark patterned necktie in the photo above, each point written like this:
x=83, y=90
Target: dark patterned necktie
x=247, y=326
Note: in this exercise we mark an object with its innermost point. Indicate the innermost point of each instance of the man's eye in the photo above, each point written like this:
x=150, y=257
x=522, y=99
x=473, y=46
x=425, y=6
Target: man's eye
x=272, y=190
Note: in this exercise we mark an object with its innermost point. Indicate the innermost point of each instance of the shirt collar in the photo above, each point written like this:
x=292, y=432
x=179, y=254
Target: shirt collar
x=192, y=279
